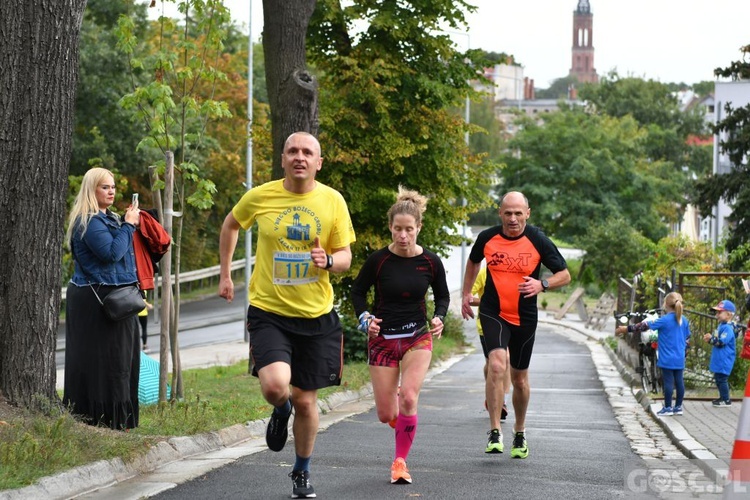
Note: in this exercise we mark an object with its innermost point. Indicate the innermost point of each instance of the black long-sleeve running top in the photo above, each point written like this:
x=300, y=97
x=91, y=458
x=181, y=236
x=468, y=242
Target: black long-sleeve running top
x=401, y=285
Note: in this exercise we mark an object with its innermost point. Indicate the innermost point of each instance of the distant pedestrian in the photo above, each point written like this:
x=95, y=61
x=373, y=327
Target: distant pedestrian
x=304, y=234
x=143, y=320
x=515, y=252
x=673, y=337
x=723, y=351
x=399, y=333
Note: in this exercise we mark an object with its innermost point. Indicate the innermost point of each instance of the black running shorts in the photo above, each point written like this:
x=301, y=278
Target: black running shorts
x=314, y=348
x=499, y=334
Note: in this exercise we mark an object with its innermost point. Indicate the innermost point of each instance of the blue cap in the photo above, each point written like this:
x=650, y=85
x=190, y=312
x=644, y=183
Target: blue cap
x=725, y=305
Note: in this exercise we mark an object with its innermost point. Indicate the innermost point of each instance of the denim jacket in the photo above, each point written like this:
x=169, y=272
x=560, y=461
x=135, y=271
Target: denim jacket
x=104, y=254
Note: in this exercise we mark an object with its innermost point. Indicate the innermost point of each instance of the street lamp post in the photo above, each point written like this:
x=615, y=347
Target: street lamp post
x=249, y=160
x=467, y=118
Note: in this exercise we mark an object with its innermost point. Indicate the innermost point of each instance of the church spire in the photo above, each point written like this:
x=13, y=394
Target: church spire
x=582, y=65
x=583, y=7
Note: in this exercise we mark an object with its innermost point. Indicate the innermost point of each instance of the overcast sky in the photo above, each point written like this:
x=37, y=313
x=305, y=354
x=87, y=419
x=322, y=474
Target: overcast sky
x=665, y=40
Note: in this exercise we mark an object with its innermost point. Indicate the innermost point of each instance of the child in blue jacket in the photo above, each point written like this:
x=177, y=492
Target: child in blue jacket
x=723, y=351
x=674, y=334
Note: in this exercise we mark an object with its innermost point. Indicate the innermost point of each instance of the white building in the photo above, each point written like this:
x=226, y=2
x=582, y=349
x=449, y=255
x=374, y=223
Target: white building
x=737, y=93
x=508, y=80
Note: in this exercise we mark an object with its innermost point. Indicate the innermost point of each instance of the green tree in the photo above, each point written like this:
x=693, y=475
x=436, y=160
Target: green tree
x=580, y=169
x=490, y=145
x=175, y=104
x=678, y=252
x=104, y=132
x=226, y=164
x=387, y=91
x=613, y=249
x=654, y=106
x=704, y=88
x=731, y=186
x=499, y=58
x=489, y=139
x=559, y=89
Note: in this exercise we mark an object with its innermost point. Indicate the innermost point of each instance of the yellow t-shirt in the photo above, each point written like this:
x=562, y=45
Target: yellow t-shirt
x=477, y=289
x=284, y=279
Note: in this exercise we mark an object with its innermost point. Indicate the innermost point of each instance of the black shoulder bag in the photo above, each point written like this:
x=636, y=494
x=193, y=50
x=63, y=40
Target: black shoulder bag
x=122, y=302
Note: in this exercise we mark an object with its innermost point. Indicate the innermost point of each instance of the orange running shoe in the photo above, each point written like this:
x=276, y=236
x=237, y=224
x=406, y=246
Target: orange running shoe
x=392, y=422
x=399, y=472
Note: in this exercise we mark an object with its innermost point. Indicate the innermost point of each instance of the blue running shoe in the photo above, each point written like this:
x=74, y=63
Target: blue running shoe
x=666, y=411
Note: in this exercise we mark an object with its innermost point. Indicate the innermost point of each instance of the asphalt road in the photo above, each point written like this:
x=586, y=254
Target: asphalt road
x=578, y=449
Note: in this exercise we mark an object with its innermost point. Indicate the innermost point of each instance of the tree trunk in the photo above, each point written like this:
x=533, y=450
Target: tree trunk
x=178, y=391
x=166, y=276
x=292, y=90
x=38, y=76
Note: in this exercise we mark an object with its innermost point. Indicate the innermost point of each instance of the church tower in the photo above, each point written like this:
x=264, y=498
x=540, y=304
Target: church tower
x=582, y=65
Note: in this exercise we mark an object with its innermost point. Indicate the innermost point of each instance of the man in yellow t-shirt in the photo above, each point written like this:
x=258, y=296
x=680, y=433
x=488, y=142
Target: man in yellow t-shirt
x=476, y=291
x=304, y=233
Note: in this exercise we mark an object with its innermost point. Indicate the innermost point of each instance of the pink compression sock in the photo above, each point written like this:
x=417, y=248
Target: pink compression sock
x=406, y=429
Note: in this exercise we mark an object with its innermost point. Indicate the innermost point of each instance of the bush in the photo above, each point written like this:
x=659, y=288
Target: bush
x=574, y=268
x=593, y=290
x=738, y=377
x=613, y=249
x=454, y=327
x=355, y=342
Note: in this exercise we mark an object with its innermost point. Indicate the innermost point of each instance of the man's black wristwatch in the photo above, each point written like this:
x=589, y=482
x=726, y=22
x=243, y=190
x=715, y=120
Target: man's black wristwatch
x=545, y=285
x=329, y=261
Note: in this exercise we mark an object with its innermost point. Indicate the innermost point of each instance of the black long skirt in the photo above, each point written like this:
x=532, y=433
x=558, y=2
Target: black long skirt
x=102, y=361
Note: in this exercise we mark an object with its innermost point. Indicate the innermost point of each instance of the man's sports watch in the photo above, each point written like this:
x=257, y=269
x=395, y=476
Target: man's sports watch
x=329, y=261
x=545, y=285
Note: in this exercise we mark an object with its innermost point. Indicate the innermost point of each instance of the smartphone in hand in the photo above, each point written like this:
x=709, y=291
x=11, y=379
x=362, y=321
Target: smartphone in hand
x=134, y=203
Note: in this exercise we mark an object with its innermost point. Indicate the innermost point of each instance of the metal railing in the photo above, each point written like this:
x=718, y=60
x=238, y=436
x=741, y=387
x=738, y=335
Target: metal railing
x=196, y=275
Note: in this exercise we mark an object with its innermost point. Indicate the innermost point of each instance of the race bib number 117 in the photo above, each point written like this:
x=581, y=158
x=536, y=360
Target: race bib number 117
x=293, y=268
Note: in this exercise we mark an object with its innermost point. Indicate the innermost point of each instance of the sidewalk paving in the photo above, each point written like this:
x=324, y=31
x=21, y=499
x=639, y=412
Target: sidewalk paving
x=703, y=433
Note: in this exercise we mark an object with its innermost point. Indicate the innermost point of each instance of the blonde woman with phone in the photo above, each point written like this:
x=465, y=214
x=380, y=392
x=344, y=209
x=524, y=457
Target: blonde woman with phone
x=102, y=356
